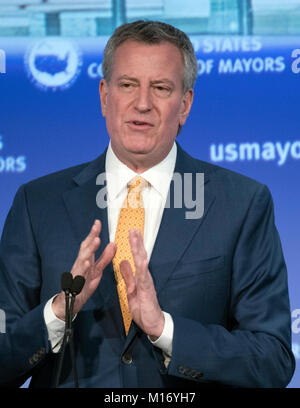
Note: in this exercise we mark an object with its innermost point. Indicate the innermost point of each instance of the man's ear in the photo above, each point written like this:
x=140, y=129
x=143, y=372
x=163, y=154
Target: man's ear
x=186, y=105
x=103, y=91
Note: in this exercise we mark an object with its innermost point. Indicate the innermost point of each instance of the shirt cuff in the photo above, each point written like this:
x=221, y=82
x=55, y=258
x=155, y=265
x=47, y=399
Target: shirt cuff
x=55, y=326
x=164, y=342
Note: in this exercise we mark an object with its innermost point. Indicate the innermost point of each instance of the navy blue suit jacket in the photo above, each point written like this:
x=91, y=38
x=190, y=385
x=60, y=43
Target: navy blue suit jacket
x=222, y=278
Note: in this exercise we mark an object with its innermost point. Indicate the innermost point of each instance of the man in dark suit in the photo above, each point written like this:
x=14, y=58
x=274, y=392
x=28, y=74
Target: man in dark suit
x=207, y=295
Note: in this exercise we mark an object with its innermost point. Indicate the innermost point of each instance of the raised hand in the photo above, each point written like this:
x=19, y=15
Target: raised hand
x=86, y=266
x=141, y=294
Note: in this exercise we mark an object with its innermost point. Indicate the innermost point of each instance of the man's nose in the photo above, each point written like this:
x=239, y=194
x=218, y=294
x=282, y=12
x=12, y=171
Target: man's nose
x=143, y=102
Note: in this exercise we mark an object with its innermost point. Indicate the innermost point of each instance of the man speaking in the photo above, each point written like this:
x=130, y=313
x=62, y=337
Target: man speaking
x=168, y=300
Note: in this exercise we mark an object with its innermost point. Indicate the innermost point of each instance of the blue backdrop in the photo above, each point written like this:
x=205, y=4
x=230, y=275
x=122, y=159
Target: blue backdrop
x=245, y=117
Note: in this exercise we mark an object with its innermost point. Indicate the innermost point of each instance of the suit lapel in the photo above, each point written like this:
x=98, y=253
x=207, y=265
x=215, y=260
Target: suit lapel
x=176, y=231
x=83, y=210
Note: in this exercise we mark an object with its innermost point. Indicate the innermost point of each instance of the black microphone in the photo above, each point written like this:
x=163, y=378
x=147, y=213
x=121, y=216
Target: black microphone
x=76, y=288
x=77, y=285
x=66, y=281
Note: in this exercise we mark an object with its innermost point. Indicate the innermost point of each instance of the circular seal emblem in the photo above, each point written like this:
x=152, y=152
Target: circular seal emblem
x=53, y=63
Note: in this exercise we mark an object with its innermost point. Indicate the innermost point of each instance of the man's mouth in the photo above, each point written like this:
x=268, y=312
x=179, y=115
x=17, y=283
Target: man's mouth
x=137, y=124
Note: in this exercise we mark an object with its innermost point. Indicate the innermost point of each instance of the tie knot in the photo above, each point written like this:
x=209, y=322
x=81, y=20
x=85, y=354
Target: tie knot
x=137, y=183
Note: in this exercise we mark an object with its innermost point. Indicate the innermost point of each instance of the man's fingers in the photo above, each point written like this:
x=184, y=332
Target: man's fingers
x=89, y=246
x=136, y=243
x=133, y=240
x=94, y=232
x=87, y=249
x=138, y=251
x=127, y=275
x=106, y=257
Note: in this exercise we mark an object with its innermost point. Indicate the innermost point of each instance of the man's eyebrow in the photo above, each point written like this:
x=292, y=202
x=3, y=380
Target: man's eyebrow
x=163, y=80
x=157, y=81
x=128, y=78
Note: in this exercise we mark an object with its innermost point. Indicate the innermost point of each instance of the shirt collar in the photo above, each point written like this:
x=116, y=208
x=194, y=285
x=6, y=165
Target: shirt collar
x=118, y=174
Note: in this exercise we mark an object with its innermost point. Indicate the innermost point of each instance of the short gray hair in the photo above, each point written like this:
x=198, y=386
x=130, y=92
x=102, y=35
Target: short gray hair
x=153, y=32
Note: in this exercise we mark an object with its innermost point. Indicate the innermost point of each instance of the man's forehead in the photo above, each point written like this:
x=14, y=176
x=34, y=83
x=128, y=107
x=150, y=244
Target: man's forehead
x=144, y=46
x=129, y=51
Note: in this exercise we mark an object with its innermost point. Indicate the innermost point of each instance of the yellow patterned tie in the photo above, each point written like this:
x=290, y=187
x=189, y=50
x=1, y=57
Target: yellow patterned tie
x=132, y=216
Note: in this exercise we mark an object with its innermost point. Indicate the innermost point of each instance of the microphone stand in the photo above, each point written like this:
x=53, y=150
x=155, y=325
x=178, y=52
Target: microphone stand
x=71, y=341
x=66, y=284
x=72, y=287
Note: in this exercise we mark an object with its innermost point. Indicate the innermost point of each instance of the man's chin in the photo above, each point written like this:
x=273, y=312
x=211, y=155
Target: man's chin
x=139, y=152
x=139, y=148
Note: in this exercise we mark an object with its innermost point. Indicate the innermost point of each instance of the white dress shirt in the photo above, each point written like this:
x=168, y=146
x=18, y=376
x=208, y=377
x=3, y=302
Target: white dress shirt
x=154, y=196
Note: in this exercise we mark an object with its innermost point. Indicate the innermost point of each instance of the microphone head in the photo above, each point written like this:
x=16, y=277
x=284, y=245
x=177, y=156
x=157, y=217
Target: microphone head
x=66, y=281
x=77, y=285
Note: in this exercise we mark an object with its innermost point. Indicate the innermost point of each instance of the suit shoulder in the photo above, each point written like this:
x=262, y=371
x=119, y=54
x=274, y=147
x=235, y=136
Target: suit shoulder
x=59, y=180
x=221, y=173
x=229, y=182
x=223, y=181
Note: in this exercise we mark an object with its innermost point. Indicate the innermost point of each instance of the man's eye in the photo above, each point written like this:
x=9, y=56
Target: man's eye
x=162, y=90
x=126, y=85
